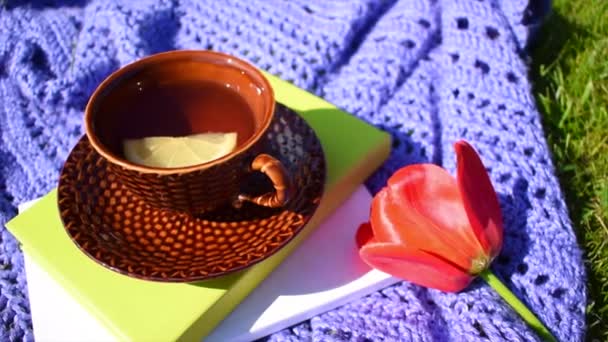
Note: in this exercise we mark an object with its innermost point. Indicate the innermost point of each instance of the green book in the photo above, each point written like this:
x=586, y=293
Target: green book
x=139, y=310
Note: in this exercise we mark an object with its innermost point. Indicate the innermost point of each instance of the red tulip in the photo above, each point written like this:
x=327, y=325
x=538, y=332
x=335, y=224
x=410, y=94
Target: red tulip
x=432, y=229
x=438, y=231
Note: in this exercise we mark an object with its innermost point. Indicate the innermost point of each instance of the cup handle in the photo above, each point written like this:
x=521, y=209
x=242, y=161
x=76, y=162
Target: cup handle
x=277, y=173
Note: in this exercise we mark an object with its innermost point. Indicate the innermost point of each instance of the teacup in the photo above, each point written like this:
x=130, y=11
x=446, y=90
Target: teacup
x=179, y=93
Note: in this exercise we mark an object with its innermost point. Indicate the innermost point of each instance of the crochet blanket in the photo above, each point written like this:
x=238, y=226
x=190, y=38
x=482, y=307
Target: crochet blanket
x=427, y=71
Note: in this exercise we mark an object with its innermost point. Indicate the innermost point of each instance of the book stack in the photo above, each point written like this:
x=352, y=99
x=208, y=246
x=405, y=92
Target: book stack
x=74, y=298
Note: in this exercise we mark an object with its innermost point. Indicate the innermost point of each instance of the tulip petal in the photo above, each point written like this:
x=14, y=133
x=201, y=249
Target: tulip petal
x=393, y=219
x=415, y=266
x=364, y=235
x=424, y=209
x=384, y=227
x=479, y=198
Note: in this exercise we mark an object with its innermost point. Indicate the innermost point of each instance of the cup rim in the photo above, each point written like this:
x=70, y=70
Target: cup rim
x=168, y=55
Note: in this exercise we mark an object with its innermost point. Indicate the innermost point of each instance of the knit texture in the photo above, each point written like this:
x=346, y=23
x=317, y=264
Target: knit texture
x=428, y=72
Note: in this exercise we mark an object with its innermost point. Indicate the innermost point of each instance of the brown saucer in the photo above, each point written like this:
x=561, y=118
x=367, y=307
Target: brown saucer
x=121, y=232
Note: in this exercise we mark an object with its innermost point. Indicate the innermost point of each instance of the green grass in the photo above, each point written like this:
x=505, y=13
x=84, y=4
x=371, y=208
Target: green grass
x=570, y=74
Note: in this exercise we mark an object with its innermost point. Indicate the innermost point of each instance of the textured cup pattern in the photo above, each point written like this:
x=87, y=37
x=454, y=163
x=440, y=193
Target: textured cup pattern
x=194, y=192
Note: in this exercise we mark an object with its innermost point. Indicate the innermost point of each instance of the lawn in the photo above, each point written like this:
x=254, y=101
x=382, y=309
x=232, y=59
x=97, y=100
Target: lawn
x=570, y=73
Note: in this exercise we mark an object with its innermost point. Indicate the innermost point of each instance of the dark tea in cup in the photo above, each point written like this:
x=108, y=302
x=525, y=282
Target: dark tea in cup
x=153, y=109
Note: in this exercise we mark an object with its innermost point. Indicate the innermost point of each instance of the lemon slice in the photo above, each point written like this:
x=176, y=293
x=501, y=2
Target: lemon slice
x=172, y=152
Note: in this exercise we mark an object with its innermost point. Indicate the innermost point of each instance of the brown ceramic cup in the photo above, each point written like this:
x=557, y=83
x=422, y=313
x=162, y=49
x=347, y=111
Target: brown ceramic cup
x=193, y=189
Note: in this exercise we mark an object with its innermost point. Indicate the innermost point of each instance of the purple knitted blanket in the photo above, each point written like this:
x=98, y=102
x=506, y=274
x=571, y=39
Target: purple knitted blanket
x=427, y=71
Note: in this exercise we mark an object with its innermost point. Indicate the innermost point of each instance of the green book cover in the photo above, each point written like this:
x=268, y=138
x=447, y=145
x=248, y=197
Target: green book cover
x=138, y=310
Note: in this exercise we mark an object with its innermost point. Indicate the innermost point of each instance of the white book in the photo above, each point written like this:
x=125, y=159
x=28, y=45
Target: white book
x=299, y=289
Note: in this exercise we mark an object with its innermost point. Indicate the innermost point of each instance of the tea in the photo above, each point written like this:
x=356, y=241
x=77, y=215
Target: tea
x=150, y=109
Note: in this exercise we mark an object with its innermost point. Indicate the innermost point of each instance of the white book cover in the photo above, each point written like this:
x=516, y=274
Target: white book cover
x=300, y=288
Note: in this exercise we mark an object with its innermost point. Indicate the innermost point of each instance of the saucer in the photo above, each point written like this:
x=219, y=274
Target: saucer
x=121, y=232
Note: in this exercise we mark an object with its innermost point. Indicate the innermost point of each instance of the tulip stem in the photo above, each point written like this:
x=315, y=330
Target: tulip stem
x=517, y=305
